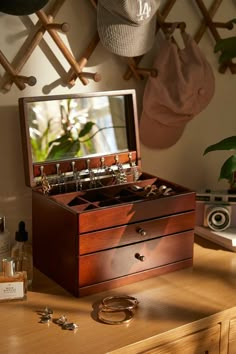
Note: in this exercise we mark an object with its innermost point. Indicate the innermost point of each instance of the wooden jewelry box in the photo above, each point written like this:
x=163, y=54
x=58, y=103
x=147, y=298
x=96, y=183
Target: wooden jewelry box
x=98, y=220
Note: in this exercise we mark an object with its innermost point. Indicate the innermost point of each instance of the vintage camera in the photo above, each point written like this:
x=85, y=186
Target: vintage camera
x=216, y=210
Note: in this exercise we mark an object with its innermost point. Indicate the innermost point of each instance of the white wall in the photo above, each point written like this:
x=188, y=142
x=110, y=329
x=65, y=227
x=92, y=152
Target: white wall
x=183, y=163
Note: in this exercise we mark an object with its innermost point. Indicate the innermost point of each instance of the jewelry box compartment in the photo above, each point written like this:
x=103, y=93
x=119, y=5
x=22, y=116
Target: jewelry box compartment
x=118, y=205
x=107, y=196
x=145, y=187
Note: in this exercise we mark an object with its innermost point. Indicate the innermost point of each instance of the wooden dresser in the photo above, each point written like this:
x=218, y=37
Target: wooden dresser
x=190, y=311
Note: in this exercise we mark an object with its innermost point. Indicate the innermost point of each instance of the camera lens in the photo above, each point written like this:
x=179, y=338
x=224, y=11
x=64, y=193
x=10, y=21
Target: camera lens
x=218, y=218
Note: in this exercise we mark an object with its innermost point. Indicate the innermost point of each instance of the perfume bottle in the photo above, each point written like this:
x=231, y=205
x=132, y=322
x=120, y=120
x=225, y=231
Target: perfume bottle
x=13, y=285
x=4, y=241
x=21, y=252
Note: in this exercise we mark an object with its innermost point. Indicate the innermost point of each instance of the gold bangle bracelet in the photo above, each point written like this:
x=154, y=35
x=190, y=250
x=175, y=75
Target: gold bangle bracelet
x=127, y=319
x=110, y=302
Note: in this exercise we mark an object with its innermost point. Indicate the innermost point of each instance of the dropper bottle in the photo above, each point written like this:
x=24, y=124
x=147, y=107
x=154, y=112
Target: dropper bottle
x=21, y=252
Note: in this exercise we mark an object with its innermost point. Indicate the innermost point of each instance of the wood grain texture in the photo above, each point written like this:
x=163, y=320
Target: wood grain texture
x=123, y=261
x=187, y=304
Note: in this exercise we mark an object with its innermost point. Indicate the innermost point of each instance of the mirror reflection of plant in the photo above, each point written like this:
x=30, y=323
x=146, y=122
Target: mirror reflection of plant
x=68, y=144
x=37, y=144
x=73, y=131
x=39, y=141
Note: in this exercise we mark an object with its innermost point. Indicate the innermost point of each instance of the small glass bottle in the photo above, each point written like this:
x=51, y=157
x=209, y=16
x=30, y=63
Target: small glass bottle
x=13, y=285
x=21, y=252
x=4, y=241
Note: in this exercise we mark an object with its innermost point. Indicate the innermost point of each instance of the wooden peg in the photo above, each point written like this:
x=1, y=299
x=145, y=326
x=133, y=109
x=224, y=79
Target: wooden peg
x=228, y=25
x=29, y=80
x=212, y=11
x=146, y=71
x=164, y=13
x=215, y=34
x=208, y=19
x=94, y=76
x=59, y=42
x=33, y=43
x=72, y=76
x=170, y=26
x=63, y=27
x=17, y=79
x=26, y=55
x=139, y=72
x=133, y=67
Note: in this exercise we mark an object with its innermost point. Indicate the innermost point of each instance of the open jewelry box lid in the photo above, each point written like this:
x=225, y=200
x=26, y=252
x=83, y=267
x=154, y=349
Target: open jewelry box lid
x=78, y=132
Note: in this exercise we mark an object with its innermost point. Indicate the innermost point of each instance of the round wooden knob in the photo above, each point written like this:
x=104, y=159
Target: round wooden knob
x=140, y=257
x=142, y=232
x=31, y=81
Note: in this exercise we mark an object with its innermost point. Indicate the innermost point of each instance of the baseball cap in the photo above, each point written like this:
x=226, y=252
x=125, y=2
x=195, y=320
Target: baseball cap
x=127, y=27
x=21, y=7
x=183, y=88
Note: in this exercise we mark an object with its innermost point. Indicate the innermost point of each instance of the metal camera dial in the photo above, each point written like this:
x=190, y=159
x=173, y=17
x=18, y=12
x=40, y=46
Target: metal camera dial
x=218, y=218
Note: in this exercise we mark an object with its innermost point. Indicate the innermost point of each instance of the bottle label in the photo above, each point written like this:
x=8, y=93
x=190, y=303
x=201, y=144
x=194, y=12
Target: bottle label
x=14, y=290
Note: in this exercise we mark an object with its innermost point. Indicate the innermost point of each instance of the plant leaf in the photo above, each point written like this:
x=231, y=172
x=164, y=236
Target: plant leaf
x=225, y=144
x=228, y=168
x=227, y=47
x=225, y=57
x=226, y=44
x=86, y=129
x=63, y=146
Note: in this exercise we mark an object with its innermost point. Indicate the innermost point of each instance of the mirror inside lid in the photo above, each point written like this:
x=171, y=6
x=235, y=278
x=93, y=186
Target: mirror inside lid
x=62, y=134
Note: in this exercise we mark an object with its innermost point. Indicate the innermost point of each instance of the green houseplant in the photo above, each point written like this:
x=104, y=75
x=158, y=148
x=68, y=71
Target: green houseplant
x=226, y=46
x=228, y=169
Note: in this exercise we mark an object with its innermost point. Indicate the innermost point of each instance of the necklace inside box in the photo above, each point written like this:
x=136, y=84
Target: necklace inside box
x=107, y=222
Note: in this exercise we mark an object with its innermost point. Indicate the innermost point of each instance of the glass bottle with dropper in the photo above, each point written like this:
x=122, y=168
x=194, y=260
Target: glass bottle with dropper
x=21, y=252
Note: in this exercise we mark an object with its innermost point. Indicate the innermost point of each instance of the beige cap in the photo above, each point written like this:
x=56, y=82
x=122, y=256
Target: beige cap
x=183, y=88
x=127, y=27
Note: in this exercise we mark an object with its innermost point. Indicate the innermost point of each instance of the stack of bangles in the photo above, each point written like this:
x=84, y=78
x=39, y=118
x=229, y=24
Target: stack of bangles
x=111, y=307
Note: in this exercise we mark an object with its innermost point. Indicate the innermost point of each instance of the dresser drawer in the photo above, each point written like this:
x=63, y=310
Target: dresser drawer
x=127, y=234
x=126, y=213
x=232, y=336
x=126, y=260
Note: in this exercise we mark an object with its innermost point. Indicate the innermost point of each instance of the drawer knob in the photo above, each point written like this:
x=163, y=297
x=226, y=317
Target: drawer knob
x=140, y=257
x=142, y=232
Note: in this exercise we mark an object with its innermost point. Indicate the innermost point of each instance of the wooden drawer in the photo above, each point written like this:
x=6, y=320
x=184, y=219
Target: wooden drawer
x=127, y=234
x=232, y=337
x=122, y=261
x=206, y=341
x=118, y=215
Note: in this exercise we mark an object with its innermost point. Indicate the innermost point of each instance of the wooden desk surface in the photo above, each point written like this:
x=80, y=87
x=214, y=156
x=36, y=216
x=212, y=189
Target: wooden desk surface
x=166, y=302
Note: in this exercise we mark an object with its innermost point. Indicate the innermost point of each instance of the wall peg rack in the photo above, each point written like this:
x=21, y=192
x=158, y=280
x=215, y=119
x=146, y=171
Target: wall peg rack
x=46, y=24
x=77, y=70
